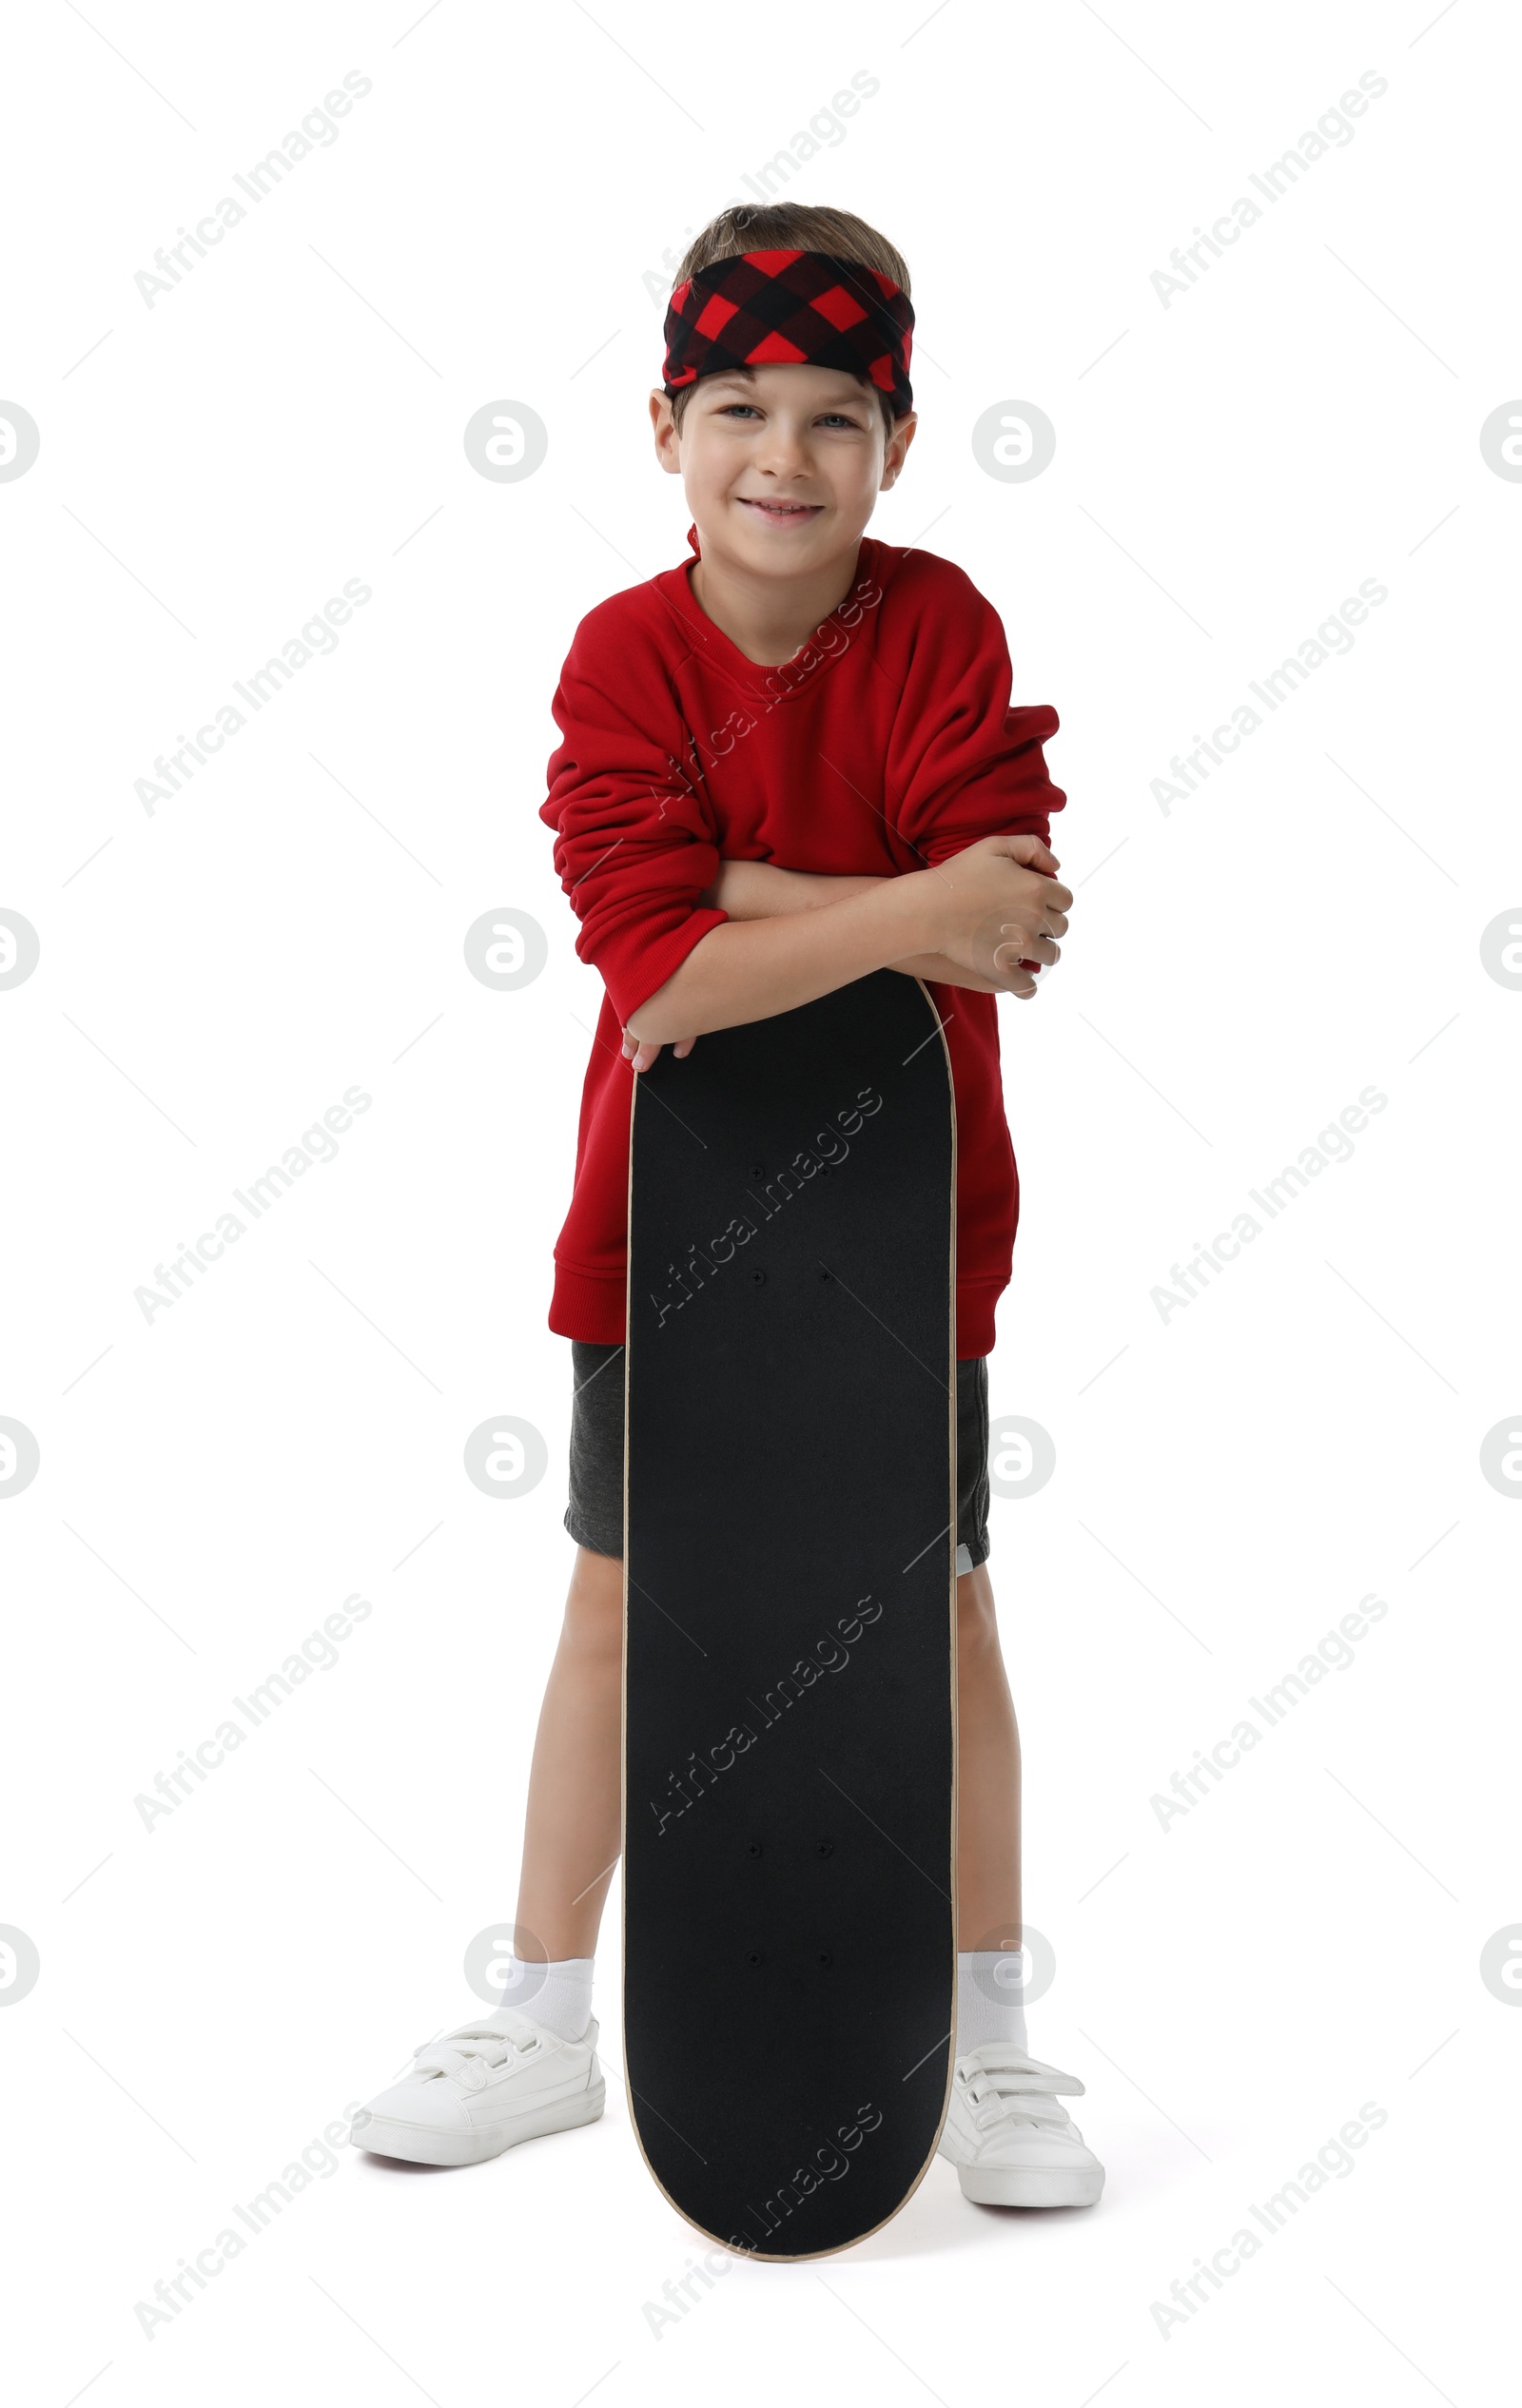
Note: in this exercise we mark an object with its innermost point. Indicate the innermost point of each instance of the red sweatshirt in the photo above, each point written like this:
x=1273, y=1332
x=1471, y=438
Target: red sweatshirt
x=886, y=745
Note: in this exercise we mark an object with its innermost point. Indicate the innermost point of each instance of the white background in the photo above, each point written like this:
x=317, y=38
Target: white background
x=1230, y=1481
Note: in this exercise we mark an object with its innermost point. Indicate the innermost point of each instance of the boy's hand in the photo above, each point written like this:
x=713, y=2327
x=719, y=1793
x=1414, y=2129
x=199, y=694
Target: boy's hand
x=642, y=1054
x=993, y=907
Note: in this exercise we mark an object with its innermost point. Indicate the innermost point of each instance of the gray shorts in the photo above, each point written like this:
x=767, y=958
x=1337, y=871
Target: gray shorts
x=595, y=1515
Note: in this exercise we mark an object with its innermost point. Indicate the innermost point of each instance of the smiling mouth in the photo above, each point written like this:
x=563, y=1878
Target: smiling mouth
x=781, y=510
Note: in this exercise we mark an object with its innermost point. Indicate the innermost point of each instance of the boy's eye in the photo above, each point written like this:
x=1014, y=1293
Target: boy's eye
x=840, y=418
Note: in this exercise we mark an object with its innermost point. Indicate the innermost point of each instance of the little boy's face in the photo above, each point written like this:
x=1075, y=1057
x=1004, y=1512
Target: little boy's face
x=782, y=465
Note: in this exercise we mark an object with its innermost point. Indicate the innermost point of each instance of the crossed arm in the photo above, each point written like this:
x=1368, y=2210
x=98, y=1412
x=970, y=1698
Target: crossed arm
x=761, y=891
x=758, y=890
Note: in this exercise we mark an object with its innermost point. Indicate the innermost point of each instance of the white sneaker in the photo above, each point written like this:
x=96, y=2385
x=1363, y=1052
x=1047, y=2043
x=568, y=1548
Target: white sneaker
x=1011, y=2144
x=500, y=2079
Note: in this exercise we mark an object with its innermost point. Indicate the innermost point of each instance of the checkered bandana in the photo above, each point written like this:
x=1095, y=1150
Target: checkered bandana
x=779, y=307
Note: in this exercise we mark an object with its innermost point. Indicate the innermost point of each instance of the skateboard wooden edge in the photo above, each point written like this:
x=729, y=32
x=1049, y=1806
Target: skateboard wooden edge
x=789, y=2257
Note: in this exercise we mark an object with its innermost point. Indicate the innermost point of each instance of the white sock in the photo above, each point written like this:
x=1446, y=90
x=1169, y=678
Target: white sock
x=558, y=1995
x=990, y=1998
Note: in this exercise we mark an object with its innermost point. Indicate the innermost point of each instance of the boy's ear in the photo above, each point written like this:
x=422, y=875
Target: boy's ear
x=896, y=449
x=668, y=441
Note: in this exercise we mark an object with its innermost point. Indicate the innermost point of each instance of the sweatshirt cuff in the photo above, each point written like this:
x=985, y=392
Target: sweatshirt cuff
x=631, y=970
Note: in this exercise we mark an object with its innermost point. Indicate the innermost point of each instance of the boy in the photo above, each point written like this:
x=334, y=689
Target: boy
x=788, y=764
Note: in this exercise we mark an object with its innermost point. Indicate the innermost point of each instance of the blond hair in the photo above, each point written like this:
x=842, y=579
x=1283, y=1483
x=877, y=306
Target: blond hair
x=789, y=225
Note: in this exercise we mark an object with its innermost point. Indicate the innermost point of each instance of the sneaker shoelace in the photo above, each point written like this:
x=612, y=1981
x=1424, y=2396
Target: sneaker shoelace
x=1004, y=2085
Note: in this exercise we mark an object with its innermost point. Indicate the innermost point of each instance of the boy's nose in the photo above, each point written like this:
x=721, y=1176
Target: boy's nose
x=782, y=450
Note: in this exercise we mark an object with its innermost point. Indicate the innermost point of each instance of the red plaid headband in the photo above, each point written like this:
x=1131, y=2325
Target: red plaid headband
x=766, y=308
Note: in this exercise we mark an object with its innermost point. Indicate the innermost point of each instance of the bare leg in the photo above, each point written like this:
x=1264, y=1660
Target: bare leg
x=987, y=1774
x=571, y=1828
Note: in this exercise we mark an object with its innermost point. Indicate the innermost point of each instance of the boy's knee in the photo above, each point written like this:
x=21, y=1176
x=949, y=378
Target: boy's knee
x=977, y=1624
x=594, y=1605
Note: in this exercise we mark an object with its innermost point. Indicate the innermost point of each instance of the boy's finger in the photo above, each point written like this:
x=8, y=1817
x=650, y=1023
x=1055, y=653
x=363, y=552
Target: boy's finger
x=638, y=1052
x=1040, y=856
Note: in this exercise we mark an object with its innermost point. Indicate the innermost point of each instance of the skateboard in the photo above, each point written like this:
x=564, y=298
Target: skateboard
x=790, y=1615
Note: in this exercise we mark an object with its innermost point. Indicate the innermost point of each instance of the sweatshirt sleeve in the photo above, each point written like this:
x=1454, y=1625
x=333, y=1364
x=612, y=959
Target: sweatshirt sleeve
x=634, y=846
x=962, y=762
